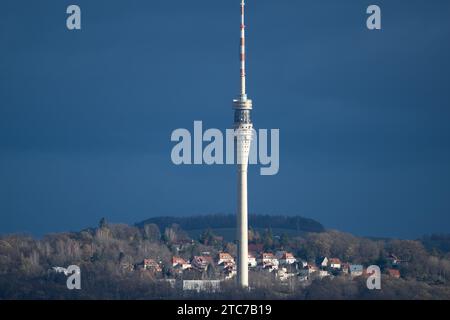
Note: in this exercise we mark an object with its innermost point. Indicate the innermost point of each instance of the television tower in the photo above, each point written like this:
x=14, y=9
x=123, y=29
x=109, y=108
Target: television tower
x=243, y=137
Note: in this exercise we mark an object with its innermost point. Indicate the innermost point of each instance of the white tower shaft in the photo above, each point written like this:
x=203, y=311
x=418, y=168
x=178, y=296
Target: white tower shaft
x=242, y=224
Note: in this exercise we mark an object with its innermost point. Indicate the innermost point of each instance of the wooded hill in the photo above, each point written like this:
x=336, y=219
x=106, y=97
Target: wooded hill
x=222, y=221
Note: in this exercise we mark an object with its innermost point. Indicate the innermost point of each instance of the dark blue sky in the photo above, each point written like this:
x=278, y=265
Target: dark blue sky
x=86, y=116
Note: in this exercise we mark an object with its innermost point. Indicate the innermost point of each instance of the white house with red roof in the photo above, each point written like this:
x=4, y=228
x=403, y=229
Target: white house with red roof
x=335, y=263
x=287, y=258
x=225, y=258
x=178, y=262
x=269, y=258
x=268, y=261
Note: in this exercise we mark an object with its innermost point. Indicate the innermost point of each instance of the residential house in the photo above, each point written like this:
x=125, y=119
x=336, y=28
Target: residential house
x=268, y=262
x=152, y=265
x=335, y=263
x=225, y=258
x=287, y=258
x=269, y=258
x=178, y=262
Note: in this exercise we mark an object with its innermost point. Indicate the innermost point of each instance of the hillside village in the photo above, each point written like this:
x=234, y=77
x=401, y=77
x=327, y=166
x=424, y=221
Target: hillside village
x=119, y=261
x=205, y=272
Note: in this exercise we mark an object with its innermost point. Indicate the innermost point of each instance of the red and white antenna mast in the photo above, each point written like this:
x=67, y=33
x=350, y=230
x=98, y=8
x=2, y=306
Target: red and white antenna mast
x=242, y=51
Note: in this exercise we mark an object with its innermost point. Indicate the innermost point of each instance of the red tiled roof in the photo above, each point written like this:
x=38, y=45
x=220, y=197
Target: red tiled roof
x=335, y=261
x=288, y=255
x=225, y=256
x=178, y=260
